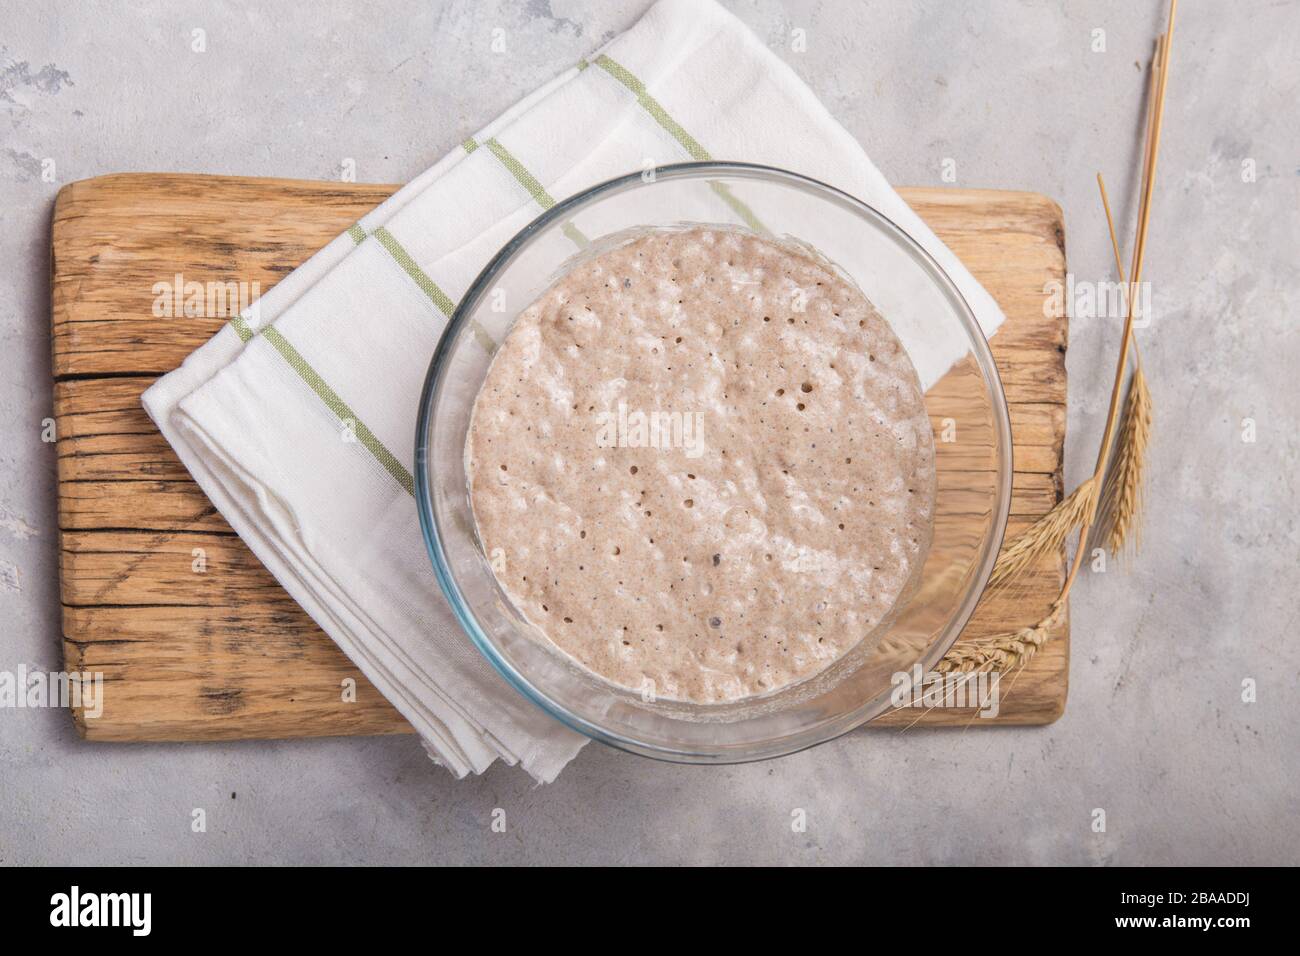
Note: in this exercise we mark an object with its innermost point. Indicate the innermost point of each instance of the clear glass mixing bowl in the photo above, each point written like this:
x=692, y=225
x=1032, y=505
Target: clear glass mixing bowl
x=964, y=399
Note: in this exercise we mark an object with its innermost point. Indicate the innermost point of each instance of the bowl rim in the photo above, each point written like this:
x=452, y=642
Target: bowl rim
x=781, y=746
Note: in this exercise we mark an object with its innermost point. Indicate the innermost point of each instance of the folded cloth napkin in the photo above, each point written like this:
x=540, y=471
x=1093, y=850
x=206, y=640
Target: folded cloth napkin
x=298, y=418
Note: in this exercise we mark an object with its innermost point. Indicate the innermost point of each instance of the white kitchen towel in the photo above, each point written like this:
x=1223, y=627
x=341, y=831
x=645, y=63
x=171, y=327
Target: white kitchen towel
x=298, y=418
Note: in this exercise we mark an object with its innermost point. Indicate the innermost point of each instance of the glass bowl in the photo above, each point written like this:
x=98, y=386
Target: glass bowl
x=964, y=399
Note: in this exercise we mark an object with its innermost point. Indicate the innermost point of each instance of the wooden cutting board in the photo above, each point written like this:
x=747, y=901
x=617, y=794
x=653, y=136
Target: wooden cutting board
x=226, y=654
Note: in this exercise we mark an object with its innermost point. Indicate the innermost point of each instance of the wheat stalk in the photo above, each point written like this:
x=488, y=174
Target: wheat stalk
x=1115, y=511
x=1046, y=535
x=1002, y=652
x=1120, y=509
x=1079, y=509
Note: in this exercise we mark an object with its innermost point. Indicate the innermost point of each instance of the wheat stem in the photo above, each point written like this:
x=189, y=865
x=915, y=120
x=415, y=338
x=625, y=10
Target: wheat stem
x=1110, y=500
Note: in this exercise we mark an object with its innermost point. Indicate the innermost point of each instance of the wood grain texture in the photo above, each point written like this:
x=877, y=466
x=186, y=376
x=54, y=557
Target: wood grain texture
x=226, y=654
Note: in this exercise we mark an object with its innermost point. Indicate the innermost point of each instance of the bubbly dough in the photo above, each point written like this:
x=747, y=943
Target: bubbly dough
x=706, y=462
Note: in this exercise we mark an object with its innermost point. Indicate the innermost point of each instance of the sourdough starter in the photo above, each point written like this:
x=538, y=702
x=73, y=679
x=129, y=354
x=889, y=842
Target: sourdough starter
x=701, y=465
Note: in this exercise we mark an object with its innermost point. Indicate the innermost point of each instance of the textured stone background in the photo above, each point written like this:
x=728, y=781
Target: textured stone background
x=1155, y=731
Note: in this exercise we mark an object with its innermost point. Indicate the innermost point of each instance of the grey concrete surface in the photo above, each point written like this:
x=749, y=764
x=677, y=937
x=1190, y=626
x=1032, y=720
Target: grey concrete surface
x=1156, y=732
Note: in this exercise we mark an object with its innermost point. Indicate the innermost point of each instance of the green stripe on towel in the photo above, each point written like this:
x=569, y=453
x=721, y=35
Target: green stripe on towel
x=329, y=397
x=740, y=209
x=242, y=329
x=409, y=266
x=530, y=183
x=428, y=286
x=517, y=170
x=678, y=132
x=653, y=107
x=340, y=408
